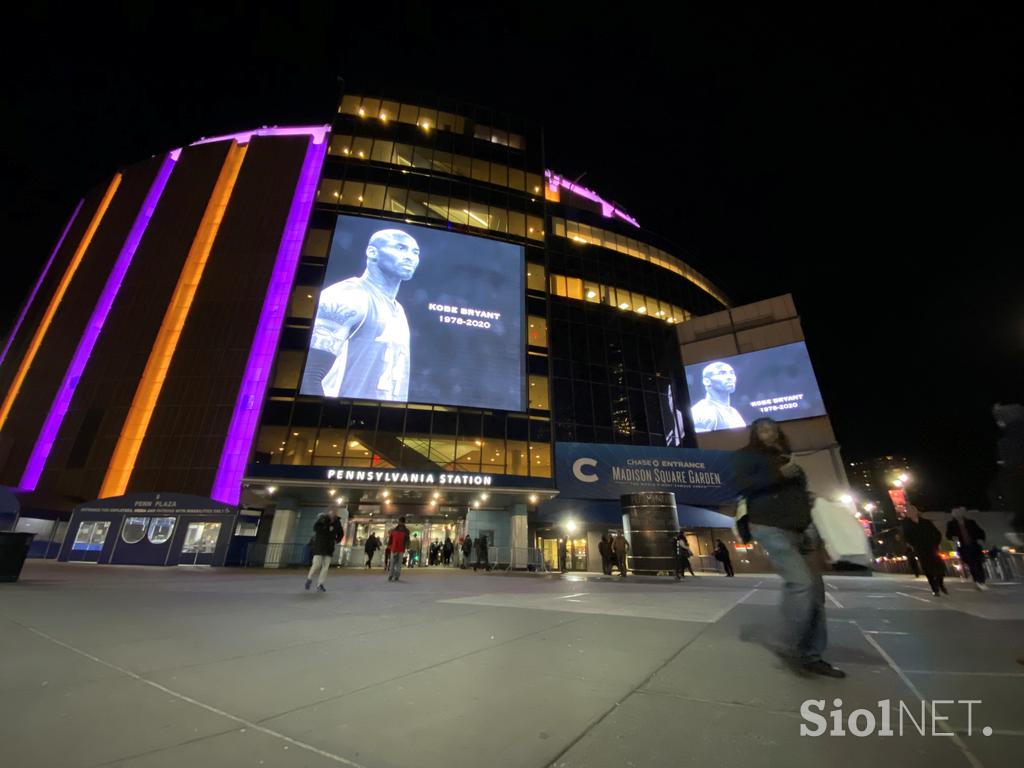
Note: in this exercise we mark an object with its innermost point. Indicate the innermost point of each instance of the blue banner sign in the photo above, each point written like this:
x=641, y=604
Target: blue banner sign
x=607, y=471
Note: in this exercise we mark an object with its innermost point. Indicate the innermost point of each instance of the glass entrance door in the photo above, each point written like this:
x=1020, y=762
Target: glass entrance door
x=89, y=541
x=200, y=544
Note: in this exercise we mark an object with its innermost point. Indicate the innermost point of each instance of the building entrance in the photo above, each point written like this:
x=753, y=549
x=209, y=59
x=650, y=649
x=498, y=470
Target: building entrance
x=423, y=534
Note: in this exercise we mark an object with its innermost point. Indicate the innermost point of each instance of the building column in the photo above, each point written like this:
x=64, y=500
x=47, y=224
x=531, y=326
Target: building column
x=281, y=532
x=520, y=537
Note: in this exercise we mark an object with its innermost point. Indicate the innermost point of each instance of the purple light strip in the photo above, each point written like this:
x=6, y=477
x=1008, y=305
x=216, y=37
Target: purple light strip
x=318, y=132
x=607, y=209
x=227, y=486
x=59, y=408
x=39, y=282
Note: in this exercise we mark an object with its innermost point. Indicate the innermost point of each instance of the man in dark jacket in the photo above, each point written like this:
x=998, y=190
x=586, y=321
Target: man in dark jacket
x=481, y=553
x=968, y=536
x=372, y=545
x=605, y=548
x=467, y=549
x=779, y=510
x=447, y=550
x=620, y=548
x=327, y=532
x=924, y=539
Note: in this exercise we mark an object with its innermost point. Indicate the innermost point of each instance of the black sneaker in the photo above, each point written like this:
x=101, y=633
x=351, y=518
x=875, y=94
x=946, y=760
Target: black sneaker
x=943, y=588
x=822, y=667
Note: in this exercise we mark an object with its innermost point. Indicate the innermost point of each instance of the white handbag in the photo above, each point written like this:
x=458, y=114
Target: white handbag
x=841, y=533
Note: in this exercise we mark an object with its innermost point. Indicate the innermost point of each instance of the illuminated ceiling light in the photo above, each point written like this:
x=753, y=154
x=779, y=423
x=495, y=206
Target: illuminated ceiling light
x=362, y=112
x=661, y=313
x=846, y=498
x=336, y=194
x=354, y=444
x=536, y=189
x=641, y=310
x=386, y=493
x=271, y=489
x=533, y=498
x=437, y=495
x=426, y=125
x=309, y=295
x=476, y=505
x=331, y=492
x=433, y=503
x=383, y=117
x=341, y=500
x=478, y=443
x=345, y=151
x=570, y=526
x=295, y=434
x=531, y=229
x=623, y=305
x=484, y=496
x=360, y=198
x=590, y=295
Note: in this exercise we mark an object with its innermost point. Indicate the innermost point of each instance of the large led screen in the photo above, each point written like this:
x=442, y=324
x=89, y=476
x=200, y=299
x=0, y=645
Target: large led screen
x=413, y=314
x=731, y=392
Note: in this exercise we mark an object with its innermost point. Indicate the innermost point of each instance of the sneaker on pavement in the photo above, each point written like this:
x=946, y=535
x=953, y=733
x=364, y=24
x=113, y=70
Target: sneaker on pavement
x=309, y=583
x=320, y=588
x=981, y=587
x=822, y=667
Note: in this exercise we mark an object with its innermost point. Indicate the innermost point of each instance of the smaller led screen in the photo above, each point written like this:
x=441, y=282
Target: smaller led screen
x=731, y=392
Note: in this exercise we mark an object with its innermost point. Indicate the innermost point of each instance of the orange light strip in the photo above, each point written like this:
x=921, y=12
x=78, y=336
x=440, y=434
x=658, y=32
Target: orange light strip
x=122, y=463
x=58, y=296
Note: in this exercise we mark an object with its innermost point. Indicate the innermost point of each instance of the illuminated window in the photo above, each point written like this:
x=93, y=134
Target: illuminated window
x=517, y=461
x=303, y=303
x=538, y=331
x=341, y=145
x=361, y=148
x=352, y=193
x=481, y=170
x=270, y=445
x=382, y=151
x=373, y=197
x=534, y=228
x=299, y=447
x=592, y=293
x=329, y=192
x=540, y=460
x=535, y=280
x=517, y=224
x=317, y=243
x=350, y=105
x=468, y=454
x=574, y=288
x=538, y=392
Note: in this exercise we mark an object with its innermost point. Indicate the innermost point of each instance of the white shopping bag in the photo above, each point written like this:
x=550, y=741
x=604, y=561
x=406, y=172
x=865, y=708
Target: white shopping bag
x=842, y=534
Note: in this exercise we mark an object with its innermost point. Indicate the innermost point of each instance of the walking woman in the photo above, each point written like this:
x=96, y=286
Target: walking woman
x=779, y=509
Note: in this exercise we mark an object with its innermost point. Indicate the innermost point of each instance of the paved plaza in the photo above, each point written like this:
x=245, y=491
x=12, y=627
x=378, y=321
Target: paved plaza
x=146, y=667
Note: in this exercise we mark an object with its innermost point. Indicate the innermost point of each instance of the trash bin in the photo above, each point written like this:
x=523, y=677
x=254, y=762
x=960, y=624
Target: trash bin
x=13, y=550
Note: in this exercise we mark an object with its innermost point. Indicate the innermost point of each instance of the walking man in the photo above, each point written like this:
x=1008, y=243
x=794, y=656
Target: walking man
x=397, y=542
x=327, y=532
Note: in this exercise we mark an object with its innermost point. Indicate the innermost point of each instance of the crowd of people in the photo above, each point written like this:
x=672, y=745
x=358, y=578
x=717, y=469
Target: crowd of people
x=410, y=548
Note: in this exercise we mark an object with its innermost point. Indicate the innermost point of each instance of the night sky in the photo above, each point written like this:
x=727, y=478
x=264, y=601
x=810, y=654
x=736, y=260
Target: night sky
x=870, y=165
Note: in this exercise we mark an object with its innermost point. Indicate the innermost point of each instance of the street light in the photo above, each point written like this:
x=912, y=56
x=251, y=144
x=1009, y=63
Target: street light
x=570, y=526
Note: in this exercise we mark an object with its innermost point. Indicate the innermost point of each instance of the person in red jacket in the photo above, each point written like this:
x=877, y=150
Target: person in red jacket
x=397, y=542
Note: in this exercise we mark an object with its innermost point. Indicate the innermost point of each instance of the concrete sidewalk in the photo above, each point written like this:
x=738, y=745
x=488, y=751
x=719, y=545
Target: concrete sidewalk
x=122, y=666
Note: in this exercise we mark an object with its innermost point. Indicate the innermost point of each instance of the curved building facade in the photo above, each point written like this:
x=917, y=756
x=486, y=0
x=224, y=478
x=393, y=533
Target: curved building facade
x=401, y=313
